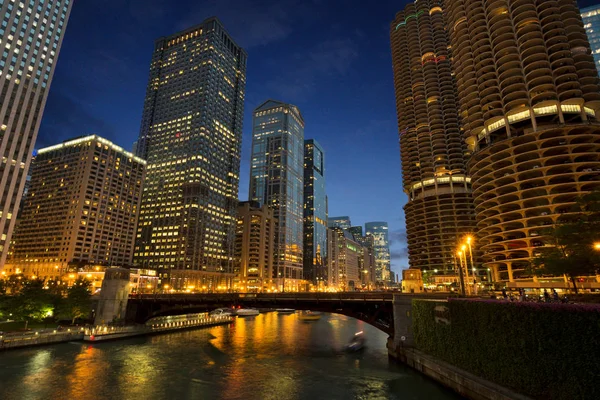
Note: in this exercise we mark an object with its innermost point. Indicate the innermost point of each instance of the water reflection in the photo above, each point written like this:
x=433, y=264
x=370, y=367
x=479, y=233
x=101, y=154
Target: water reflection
x=269, y=356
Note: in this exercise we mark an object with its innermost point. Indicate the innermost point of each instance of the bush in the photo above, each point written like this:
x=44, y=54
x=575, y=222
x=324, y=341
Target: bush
x=548, y=351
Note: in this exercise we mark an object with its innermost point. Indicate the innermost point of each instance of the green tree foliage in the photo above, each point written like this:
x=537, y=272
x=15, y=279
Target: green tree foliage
x=33, y=303
x=573, y=252
x=78, y=303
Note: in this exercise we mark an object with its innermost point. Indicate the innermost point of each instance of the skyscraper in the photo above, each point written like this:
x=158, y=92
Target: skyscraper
x=254, y=242
x=81, y=208
x=381, y=250
x=339, y=222
x=440, y=210
x=191, y=136
x=529, y=97
x=591, y=23
x=276, y=179
x=357, y=231
x=315, y=214
x=345, y=260
x=31, y=34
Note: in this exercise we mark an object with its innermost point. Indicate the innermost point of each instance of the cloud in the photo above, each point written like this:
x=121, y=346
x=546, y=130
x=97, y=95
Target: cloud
x=251, y=23
x=65, y=118
x=328, y=59
x=397, y=236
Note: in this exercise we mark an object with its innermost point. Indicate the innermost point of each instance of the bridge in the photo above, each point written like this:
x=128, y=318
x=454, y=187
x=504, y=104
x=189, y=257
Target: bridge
x=375, y=308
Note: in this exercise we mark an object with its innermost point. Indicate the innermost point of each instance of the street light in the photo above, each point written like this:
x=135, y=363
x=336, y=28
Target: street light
x=597, y=246
x=460, y=273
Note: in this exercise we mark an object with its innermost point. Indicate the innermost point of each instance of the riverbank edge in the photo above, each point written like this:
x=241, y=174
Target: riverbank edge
x=32, y=341
x=462, y=382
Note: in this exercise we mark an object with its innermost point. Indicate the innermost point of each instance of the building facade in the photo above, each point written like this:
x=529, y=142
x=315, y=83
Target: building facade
x=344, y=260
x=339, y=222
x=191, y=136
x=315, y=214
x=81, y=209
x=254, y=248
x=31, y=34
x=381, y=249
x=591, y=23
x=440, y=209
x=277, y=180
x=529, y=96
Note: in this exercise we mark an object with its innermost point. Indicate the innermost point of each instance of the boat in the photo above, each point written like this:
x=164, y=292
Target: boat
x=222, y=312
x=357, y=343
x=285, y=310
x=309, y=316
x=247, y=312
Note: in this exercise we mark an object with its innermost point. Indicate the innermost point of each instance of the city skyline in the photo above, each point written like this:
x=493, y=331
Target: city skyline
x=334, y=92
x=117, y=54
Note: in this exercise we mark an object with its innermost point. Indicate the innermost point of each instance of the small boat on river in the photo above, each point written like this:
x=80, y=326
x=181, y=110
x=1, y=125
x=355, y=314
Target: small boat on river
x=309, y=316
x=357, y=342
x=222, y=311
x=285, y=310
x=247, y=312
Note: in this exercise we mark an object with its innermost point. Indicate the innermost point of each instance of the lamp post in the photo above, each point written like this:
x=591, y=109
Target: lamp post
x=460, y=273
x=469, y=240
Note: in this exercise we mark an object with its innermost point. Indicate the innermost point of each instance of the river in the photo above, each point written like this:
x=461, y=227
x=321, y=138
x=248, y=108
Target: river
x=266, y=357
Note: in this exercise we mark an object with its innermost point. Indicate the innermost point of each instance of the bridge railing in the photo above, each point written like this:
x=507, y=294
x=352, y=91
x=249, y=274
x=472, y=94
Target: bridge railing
x=342, y=296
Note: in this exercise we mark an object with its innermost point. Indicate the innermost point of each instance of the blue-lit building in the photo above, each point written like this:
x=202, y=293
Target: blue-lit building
x=339, y=222
x=381, y=248
x=591, y=23
x=277, y=180
x=315, y=214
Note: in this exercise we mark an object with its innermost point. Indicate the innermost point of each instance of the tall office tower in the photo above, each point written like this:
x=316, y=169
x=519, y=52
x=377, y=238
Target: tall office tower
x=82, y=208
x=254, y=242
x=529, y=97
x=591, y=23
x=339, y=222
x=277, y=180
x=357, y=231
x=344, y=260
x=191, y=136
x=439, y=211
x=31, y=34
x=381, y=249
x=315, y=214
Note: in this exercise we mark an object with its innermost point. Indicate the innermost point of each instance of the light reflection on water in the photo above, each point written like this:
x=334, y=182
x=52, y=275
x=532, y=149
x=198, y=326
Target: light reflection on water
x=266, y=357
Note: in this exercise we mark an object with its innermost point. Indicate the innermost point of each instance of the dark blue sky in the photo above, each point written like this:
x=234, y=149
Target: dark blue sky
x=331, y=58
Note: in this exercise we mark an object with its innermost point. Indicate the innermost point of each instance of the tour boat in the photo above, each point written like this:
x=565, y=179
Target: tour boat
x=222, y=312
x=285, y=310
x=357, y=342
x=310, y=316
x=247, y=312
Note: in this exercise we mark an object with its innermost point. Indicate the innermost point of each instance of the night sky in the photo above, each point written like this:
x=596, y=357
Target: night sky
x=331, y=58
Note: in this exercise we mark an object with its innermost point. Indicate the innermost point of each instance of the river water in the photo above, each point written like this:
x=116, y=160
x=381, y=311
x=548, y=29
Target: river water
x=266, y=357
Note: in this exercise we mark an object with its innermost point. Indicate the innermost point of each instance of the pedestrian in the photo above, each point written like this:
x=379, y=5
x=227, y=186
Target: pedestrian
x=546, y=296
x=521, y=295
x=555, y=295
x=504, y=294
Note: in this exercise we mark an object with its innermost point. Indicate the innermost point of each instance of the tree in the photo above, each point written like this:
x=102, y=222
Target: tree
x=78, y=303
x=573, y=242
x=33, y=303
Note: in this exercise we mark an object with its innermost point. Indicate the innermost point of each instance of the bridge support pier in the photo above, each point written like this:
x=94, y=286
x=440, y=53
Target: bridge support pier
x=112, y=303
x=403, y=332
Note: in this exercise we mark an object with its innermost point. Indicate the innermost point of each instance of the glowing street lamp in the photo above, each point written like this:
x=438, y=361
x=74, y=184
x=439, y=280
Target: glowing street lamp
x=597, y=246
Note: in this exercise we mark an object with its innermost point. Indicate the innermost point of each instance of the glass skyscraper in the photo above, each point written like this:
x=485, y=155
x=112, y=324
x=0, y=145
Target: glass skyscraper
x=315, y=214
x=591, y=23
x=191, y=136
x=381, y=248
x=276, y=179
x=31, y=34
x=339, y=222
